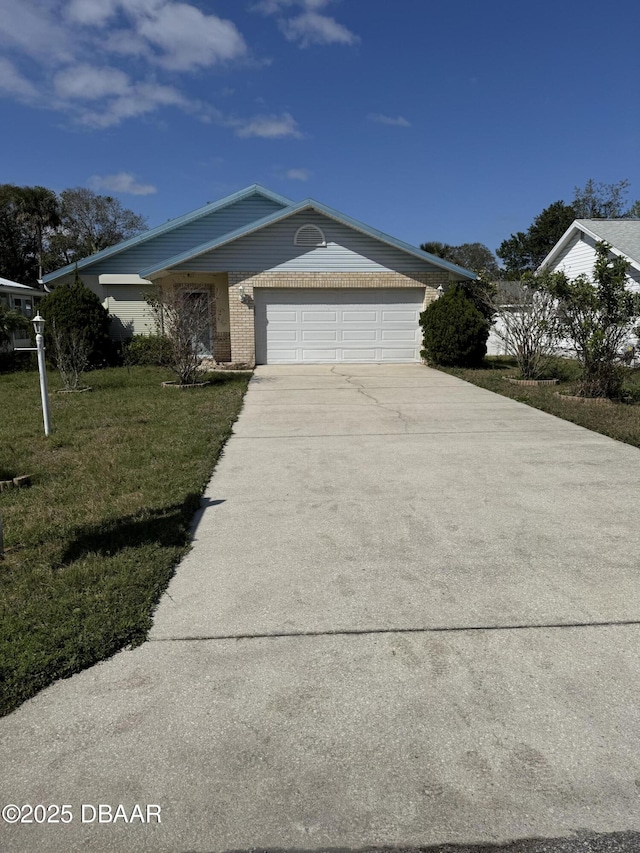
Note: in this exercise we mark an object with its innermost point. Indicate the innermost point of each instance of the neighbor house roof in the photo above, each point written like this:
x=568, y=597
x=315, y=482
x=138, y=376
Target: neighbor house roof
x=623, y=235
x=6, y=285
x=288, y=208
x=291, y=210
x=210, y=207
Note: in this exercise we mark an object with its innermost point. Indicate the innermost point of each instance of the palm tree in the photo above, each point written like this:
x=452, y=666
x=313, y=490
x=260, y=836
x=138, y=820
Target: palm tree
x=40, y=210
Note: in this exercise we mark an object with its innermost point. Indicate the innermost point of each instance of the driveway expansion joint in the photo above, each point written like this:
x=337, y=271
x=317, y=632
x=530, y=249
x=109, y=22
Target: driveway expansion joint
x=346, y=632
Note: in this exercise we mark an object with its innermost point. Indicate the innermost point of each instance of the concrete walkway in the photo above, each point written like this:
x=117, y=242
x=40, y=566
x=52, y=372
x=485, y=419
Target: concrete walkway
x=410, y=617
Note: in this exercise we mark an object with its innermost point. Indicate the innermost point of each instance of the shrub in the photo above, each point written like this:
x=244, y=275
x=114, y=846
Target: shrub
x=598, y=318
x=454, y=331
x=147, y=349
x=528, y=327
x=183, y=315
x=77, y=319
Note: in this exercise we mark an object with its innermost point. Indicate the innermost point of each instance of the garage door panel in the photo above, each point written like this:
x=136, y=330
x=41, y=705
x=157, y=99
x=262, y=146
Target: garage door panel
x=285, y=356
x=335, y=325
x=280, y=336
x=398, y=335
x=279, y=316
x=399, y=316
x=320, y=335
x=396, y=354
x=319, y=316
x=319, y=355
x=359, y=317
x=359, y=335
x=359, y=355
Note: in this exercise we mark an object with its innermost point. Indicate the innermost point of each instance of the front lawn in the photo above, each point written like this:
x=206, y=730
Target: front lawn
x=92, y=544
x=617, y=420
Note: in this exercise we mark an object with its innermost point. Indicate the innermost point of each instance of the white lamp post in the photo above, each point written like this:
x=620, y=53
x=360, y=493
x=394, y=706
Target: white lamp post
x=38, y=325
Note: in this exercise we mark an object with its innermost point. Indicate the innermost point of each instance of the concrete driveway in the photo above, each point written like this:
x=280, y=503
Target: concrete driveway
x=410, y=617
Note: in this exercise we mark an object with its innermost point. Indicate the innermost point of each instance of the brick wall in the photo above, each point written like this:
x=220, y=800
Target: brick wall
x=243, y=345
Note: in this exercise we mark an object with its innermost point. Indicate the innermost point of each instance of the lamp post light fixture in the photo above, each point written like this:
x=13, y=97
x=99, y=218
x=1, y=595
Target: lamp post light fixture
x=38, y=325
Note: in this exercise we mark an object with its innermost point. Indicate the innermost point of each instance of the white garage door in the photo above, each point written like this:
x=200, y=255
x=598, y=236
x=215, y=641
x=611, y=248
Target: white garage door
x=296, y=326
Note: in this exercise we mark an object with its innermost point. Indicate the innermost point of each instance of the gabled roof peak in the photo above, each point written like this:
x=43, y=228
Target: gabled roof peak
x=206, y=209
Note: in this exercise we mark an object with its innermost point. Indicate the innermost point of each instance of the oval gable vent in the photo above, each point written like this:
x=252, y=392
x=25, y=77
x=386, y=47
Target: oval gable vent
x=309, y=236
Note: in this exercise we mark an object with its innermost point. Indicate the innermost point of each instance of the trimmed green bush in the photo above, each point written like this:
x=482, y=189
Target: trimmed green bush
x=454, y=331
x=147, y=349
x=75, y=313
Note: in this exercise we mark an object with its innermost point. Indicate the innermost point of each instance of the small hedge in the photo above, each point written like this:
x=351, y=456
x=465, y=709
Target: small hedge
x=455, y=333
x=75, y=312
x=147, y=349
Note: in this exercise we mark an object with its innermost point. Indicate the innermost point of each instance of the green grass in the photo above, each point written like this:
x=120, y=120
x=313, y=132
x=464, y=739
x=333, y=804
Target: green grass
x=92, y=544
x=618, y=420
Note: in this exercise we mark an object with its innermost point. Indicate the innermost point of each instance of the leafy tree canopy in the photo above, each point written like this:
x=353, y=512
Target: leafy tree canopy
x=472, y=256
x=524, y=251
x=41, y=231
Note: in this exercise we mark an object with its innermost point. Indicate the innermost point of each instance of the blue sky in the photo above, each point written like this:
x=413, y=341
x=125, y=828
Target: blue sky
x=455, y=121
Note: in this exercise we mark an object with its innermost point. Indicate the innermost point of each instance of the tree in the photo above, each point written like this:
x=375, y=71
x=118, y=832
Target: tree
x=39, y=210
x=88, y=224
x=182, y=316
x=526, y=323
x=525, y=251
x=472, y=256
x=18, y=248
x=601, y=201
x=77, y=318
x=598, y=319
x=455, y=333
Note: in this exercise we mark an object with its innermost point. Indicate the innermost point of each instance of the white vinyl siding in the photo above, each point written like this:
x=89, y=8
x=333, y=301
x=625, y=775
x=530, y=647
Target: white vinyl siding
x=272, y=248
x=579, y=257
x=130, y=312
x=185, y=237
x=351, y=325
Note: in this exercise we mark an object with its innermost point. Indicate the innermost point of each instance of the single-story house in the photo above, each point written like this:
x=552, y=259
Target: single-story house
x=287, y=282
x=21, y=298
x=575, y=251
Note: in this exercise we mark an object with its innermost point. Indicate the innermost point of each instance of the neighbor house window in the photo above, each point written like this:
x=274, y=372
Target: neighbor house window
x=309, y=236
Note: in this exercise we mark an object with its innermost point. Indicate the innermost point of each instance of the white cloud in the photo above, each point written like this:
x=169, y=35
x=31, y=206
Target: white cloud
x=102, y=62
x=188, y=38
x=88, y=83
x=123, y=182
x=91, y=12
x=298, y=174
x=34, y=28
x=398, y=121
x=13, y=83
x=144, y=98
x=267, y=127
x=309, y=27
x=273, y=7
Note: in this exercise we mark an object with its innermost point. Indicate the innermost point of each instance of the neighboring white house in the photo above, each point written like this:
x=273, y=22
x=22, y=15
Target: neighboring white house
x=286, y=282
x=575, y=255
x=575, y=251
x=19, y=297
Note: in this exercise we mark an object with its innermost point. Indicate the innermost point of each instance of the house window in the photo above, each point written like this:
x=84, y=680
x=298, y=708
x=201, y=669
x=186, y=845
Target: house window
x=309, y=236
